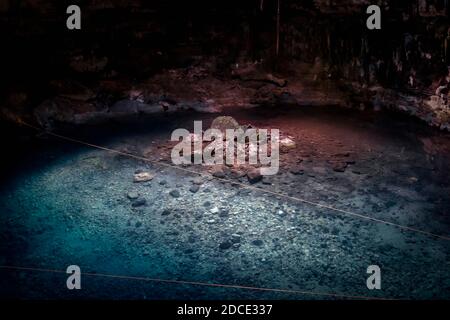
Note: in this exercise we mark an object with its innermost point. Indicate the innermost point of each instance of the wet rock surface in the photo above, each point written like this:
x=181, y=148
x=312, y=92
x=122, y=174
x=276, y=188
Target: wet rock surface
x=327, y=57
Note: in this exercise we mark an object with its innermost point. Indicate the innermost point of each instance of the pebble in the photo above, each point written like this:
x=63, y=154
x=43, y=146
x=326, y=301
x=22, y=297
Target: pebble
x=197, y=181
x=132, y=195
x=165, y=212
x=207, y=204
x=287, y=143
x=215, y=210
x=297, y=170
x=257, y=242
x=143, y=177
x=339, y=166
x=254, y=176
x=281, y=213
x=175, y=193
x=223, y=212
x=235, y=238
x=194, y=188
x=236, y=174
x=139, y=202
x=218, y=173
x=225, y=245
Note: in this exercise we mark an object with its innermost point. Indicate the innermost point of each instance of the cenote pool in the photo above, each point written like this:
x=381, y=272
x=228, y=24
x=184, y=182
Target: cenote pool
x=67, y=204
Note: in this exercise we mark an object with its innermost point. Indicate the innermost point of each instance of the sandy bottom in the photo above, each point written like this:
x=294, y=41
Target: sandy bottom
x=77, y=205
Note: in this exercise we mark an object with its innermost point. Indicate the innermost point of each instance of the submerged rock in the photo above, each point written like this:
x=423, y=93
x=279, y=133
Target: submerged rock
x=287, y=143
x=165, y=212
x=235, y=238
x=223, y=212
x=132, y=195
x=225, y=245
x=139, y=202
x=254, y=176
x=224, y=122
x=194, y=188
x=218, y=173
x=297, y=170
x=257, y=242
x=339, y=166
x=215, y=210
x=175, y=193
x=198, y=181
x=143, y=177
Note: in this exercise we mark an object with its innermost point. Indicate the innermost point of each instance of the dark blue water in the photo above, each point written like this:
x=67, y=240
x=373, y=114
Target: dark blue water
x=68, y=205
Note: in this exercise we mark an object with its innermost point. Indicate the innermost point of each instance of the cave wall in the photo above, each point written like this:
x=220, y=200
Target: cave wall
x=324, y=51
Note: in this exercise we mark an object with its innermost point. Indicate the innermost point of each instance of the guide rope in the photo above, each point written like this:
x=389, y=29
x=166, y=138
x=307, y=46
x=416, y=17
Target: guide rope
x=205, y=284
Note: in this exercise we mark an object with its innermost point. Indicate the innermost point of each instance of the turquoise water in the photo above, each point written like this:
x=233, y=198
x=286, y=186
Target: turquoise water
x=69, y=206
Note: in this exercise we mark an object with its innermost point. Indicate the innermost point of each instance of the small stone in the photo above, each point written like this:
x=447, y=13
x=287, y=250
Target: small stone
x=218, y=173
x=281, y=213
x=165, y=212
x=132, y=195
x=143, y=177
x=207, y=204
x=319, y=170
x=360, y=170
x=223, y=123
x=225, y=245
x=236, y=174
x=235, y=238
x=192, y=238
x=342, y=154
x=254, y=176
x=138, y=224
x=413, y=179
x=139, y=202
x=194, y=188
x=215, y=210
x=257, y=242
x=287, y=144
x=198, y=181
x=223, y=212
x=339, y=166
x=163, y=182
x=297, y=170
x=175, y=193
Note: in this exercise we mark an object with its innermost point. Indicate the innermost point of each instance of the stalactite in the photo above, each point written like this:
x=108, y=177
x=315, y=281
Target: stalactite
x=261, y=5
x=278, y=28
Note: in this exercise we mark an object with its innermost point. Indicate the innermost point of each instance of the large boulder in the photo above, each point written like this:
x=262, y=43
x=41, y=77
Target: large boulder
x=223, y=123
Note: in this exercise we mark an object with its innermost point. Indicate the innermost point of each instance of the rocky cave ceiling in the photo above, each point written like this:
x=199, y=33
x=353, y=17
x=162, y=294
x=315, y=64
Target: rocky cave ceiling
x=161, y=56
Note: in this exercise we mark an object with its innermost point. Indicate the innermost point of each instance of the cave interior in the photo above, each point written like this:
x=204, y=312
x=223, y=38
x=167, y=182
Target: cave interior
x=364, y=121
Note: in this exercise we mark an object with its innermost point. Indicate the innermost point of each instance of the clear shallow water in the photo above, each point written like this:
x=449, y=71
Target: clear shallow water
x=70, y=206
